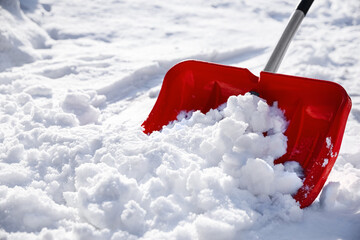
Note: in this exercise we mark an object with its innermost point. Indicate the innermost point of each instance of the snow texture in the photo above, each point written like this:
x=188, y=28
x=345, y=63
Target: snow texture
x=77, y=79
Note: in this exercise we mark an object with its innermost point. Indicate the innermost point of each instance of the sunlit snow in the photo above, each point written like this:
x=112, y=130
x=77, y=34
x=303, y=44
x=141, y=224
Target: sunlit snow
x=77, y=79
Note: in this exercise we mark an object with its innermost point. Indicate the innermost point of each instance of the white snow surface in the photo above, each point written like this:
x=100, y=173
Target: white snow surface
x=77, y=79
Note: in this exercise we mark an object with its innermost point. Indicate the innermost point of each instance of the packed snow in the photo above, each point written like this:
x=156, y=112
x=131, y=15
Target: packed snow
x=77, y=79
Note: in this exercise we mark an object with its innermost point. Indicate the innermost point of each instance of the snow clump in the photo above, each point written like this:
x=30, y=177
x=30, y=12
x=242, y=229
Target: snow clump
x=205, y=176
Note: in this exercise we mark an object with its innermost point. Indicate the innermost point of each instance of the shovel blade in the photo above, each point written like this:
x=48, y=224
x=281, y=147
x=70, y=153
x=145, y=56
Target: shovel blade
x=317, y=111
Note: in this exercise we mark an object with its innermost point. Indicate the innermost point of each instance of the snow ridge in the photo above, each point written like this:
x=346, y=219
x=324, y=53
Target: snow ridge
x=77, y=79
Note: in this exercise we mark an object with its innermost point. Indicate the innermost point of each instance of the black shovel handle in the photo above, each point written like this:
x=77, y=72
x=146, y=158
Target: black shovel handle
x=288, y=34
x=304, y=6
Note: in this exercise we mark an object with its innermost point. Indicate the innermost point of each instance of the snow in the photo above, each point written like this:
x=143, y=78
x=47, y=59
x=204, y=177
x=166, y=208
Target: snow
x=77, y=79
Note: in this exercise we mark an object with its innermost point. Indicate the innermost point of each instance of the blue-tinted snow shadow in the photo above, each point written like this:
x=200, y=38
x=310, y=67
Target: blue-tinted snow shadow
x=316, y=224
x=356, y=114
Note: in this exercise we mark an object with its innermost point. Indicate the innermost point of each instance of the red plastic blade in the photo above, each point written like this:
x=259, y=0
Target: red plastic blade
x=317, y=111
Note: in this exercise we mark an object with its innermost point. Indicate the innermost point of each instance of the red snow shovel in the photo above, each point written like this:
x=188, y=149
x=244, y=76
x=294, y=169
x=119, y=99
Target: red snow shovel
x=317, y=110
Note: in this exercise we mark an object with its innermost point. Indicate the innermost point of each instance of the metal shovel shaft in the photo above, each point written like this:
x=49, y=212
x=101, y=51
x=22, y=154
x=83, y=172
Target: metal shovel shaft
x=283, y=44
x=288, y=34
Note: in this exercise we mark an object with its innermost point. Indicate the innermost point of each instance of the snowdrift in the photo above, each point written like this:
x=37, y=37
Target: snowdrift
x=77, y=79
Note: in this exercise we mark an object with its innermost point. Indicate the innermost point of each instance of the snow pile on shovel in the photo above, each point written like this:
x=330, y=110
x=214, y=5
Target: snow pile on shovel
x=205, y=177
